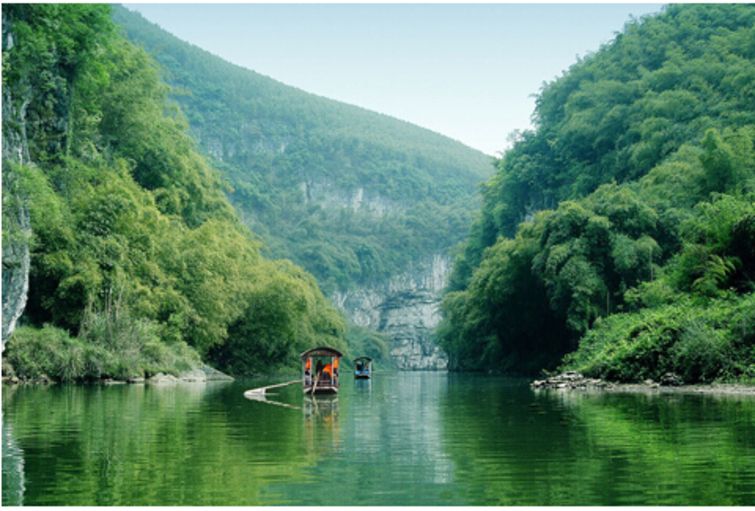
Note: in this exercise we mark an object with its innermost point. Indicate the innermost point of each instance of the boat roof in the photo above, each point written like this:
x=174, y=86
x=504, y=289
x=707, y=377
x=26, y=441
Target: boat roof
x=321, y=351
x=363, y=358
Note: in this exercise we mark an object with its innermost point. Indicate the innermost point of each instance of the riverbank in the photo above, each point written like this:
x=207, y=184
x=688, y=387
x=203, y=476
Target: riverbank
x=201, y=374
x=669, y=384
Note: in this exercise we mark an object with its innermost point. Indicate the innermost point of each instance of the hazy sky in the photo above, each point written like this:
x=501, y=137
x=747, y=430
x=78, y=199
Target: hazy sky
x=467, y=71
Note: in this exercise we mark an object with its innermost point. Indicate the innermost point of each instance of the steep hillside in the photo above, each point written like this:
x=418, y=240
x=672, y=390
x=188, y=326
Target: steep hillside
x=370, y=205
x=646, y=264
x=135, y=260
x=352, y=195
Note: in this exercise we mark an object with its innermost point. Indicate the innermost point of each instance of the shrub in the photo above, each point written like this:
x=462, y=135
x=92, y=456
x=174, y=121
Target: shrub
x=701, y=341
x=122, y=345
x=48, y=351
x=701, y=354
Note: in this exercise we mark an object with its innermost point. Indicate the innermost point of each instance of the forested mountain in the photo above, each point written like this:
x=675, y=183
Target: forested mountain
x=351, y=195
x=138, y=263
x=645, y=262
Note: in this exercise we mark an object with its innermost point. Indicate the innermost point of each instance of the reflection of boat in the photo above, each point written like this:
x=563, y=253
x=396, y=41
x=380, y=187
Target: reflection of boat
x=362, y=368
x=324, y=405
x=324, y=378
x=321, y=422
x=363, y=385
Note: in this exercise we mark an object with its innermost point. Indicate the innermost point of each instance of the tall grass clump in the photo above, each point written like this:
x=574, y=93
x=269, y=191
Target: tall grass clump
x=112, y=343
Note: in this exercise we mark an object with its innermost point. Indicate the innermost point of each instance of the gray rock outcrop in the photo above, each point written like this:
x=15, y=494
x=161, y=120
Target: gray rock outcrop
x=16, y=260
x=16, y=222
x=569, y=380
x=212, y=374
x=329, y=195
x=201, y=374
x=161, y=379
x=406, y=309
x=671, y=380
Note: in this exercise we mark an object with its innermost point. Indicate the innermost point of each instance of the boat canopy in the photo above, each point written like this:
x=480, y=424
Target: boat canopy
x=324, y=378
x=365, y=359
x=321, y=351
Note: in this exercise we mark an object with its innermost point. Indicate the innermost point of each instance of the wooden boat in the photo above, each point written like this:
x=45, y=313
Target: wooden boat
x=320, y=370
x=362, y=368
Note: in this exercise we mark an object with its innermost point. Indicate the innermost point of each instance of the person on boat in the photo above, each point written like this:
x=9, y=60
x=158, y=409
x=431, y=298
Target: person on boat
x=318, y=370
x=308, y=372
x=328, y=371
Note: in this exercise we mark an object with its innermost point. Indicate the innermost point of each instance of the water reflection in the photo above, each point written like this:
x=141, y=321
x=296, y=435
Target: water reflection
x=321, y=424
x=363, y=386
x=13, y=461
x=404, y=438
x=386, y=440
x=572, y=448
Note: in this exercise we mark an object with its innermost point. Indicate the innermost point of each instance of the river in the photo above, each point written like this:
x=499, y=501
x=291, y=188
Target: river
x=400, y=439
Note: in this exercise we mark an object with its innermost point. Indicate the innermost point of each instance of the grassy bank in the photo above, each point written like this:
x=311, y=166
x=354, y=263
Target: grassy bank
x=700, y=341
x=50, y=353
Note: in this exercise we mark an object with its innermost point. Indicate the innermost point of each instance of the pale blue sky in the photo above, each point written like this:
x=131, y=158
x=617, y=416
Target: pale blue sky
x=466, y=71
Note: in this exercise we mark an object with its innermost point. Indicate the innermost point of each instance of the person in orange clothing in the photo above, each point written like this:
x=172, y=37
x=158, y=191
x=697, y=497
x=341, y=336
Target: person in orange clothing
x=308, y=372
x=328, y=369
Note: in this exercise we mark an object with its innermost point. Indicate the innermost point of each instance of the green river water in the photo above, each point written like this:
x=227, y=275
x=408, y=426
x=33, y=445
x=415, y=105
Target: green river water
x=400, y=439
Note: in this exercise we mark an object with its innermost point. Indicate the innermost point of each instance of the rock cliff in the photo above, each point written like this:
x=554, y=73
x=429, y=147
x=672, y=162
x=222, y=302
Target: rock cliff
x=328, y=195
x=406, y=309
x=16, y=222
x=16, y=261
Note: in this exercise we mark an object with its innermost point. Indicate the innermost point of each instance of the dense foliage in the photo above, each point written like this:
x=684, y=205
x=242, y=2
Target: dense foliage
x=352, y=196
x=646, y=149
x=139, y=262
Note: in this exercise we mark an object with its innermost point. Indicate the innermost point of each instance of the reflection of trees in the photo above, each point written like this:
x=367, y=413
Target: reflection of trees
x=184, y=444
x=568, y=448
x=508, y=449
x=406, y=438
x=321, y=424
x=675, y=449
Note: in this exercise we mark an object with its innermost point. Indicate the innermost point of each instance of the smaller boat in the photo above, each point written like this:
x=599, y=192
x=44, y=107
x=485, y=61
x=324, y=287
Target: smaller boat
x=362, y=368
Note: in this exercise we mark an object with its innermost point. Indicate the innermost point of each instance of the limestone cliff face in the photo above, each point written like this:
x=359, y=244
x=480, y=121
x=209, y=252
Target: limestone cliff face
x=406, y=309
x=16, y=261
x=15, y=104
x=328, y=195
x=16, y=222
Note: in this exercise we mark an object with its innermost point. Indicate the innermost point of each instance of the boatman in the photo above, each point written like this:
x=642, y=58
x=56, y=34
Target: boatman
x=308, y=372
